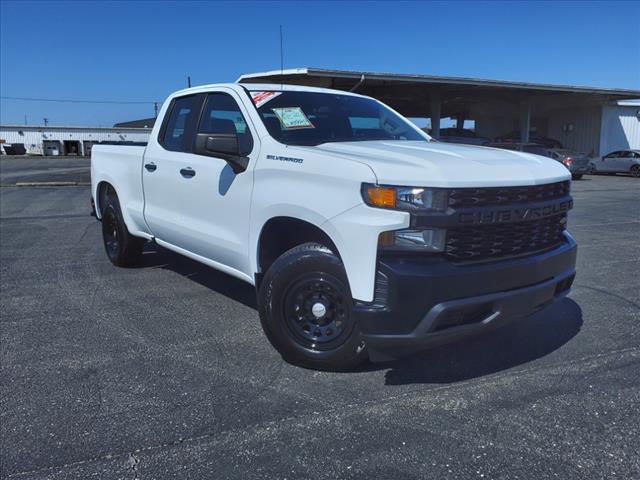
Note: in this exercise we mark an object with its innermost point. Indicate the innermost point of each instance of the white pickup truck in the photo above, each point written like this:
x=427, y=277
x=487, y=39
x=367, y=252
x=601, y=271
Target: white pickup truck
x=364, y=237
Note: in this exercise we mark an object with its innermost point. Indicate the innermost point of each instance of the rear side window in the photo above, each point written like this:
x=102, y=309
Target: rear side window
x=221, y=115
x=178, y=131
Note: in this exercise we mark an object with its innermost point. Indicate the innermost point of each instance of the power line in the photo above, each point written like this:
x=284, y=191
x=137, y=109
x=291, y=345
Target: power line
x=119, y=102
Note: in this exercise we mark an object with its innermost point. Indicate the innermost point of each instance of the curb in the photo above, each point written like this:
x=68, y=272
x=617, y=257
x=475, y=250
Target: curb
x=46, y=184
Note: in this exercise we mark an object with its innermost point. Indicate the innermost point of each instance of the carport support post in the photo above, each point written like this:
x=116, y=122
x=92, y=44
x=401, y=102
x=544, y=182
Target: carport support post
x=436, y=110
x=525, y=121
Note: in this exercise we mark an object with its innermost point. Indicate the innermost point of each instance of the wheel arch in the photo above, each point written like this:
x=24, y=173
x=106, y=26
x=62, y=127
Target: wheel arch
x=101, y=189
x=282, y=233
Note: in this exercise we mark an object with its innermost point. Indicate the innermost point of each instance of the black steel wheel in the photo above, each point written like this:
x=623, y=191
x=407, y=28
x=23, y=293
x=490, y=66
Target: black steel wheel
x=123, y=249
x=305, y=309
x=317, y=311
x=110, y=233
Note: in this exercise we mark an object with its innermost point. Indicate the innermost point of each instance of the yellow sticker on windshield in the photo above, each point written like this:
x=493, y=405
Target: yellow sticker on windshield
x=292, y=118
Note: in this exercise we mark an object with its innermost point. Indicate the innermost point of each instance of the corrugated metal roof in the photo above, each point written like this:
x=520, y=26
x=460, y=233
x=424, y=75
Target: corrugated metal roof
x=310, y=72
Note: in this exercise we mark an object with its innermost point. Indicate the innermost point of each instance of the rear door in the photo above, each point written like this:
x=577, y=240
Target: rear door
x=625, y=161
x=195, y=202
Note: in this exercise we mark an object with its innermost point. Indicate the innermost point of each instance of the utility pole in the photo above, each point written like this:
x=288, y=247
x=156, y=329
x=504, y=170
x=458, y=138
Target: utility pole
x=155, y=109
x=46, y=121
x=189, y=81
x=25, y=119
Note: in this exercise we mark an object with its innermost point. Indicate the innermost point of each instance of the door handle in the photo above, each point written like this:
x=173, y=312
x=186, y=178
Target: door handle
x=151, y=167
x=188, y=172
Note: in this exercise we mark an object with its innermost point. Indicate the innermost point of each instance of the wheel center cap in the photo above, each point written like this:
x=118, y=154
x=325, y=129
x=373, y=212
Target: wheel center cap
x=318, y=310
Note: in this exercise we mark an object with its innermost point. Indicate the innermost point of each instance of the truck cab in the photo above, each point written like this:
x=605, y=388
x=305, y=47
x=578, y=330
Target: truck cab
x=363, y=236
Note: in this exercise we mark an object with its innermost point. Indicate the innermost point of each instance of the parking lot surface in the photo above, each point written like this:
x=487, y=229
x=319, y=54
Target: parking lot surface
x=17, y=170
x=162, y=371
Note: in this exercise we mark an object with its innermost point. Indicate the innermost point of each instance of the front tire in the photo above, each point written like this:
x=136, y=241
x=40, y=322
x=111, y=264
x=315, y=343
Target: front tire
x=576, y=176
x=635, y=171
x=305, y=309
x=123, y=249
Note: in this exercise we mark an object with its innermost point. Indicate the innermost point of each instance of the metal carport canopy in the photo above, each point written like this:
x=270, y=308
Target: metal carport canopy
x=414, y=95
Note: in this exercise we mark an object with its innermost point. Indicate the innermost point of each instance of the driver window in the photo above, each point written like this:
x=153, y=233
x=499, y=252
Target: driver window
x=222, y=115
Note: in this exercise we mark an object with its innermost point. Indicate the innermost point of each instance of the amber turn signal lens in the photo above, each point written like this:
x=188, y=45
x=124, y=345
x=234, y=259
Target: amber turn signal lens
x=381, y=196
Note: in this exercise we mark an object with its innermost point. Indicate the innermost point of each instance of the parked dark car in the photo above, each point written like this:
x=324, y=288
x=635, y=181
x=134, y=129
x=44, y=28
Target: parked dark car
x=522, y=147
x=462, y=135
x=514, y=136
x=577, y=163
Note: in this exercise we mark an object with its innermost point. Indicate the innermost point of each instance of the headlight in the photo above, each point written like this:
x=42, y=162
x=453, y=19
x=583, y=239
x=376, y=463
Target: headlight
x=411, y=199
x=415, y=240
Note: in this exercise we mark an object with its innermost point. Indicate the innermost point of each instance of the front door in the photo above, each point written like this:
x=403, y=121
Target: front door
x=609, y=162
x=196, y=202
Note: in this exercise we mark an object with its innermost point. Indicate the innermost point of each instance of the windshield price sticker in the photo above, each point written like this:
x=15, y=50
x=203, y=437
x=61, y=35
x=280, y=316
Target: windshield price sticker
x=260, y=98
x=292, y=118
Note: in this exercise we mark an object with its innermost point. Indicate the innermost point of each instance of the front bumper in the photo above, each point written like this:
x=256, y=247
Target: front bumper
x=423, y=302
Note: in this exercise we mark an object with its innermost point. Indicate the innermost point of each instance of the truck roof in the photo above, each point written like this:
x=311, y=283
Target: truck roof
x=254, y=87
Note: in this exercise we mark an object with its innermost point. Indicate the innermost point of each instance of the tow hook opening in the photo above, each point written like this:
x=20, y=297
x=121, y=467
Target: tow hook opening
x=464, y=316
x=564, y=285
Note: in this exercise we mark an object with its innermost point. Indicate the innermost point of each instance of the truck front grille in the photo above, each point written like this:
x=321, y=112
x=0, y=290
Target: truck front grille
x=486, y=242
x=484, y=197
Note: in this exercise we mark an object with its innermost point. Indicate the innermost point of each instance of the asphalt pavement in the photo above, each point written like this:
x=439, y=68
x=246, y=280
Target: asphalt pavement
x=44, y=170
x=162, y=371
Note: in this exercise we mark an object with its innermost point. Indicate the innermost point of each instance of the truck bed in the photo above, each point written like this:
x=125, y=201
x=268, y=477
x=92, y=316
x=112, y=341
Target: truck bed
x=121, y=166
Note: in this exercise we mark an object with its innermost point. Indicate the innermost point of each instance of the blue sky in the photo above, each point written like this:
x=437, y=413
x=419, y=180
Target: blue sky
x=142, y=51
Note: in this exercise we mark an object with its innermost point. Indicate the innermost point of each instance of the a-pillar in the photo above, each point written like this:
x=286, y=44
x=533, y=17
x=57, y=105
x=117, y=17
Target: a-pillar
x=436, y=111
x=525, y=121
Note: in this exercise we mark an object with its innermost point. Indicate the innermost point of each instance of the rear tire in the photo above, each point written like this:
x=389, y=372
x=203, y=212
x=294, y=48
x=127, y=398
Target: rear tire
x=635, y=171
x=305, y=307
x=123, y=249
x=576, y=176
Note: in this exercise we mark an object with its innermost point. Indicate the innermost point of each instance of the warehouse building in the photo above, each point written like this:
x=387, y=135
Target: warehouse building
x=594, y=121
x=57, y=140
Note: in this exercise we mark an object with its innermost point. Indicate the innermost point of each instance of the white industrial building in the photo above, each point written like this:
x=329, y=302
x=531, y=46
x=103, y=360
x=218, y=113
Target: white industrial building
x=58, y=140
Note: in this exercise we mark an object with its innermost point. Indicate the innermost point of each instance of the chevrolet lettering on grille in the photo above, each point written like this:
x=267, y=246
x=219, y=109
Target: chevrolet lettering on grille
x=514, y=214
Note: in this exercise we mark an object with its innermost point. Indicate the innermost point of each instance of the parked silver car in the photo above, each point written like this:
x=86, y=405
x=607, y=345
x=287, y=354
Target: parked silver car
x=620, y=161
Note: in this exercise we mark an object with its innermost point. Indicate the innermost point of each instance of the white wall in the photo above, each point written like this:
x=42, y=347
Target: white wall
x=620, y=127
x=32, y=136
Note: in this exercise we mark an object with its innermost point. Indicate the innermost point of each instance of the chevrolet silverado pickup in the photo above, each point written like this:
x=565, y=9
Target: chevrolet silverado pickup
x=363, y=236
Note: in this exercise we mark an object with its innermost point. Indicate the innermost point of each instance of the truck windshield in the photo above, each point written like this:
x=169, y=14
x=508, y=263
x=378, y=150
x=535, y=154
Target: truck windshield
x=311, y=118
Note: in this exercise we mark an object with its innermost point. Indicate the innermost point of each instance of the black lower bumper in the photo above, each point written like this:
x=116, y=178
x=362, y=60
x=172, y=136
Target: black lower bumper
x=423, y=302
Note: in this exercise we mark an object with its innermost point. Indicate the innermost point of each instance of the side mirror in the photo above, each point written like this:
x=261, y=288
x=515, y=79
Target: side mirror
x=222, y=145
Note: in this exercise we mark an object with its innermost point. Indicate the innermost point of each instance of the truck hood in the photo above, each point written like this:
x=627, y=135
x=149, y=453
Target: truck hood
x=436, y=164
